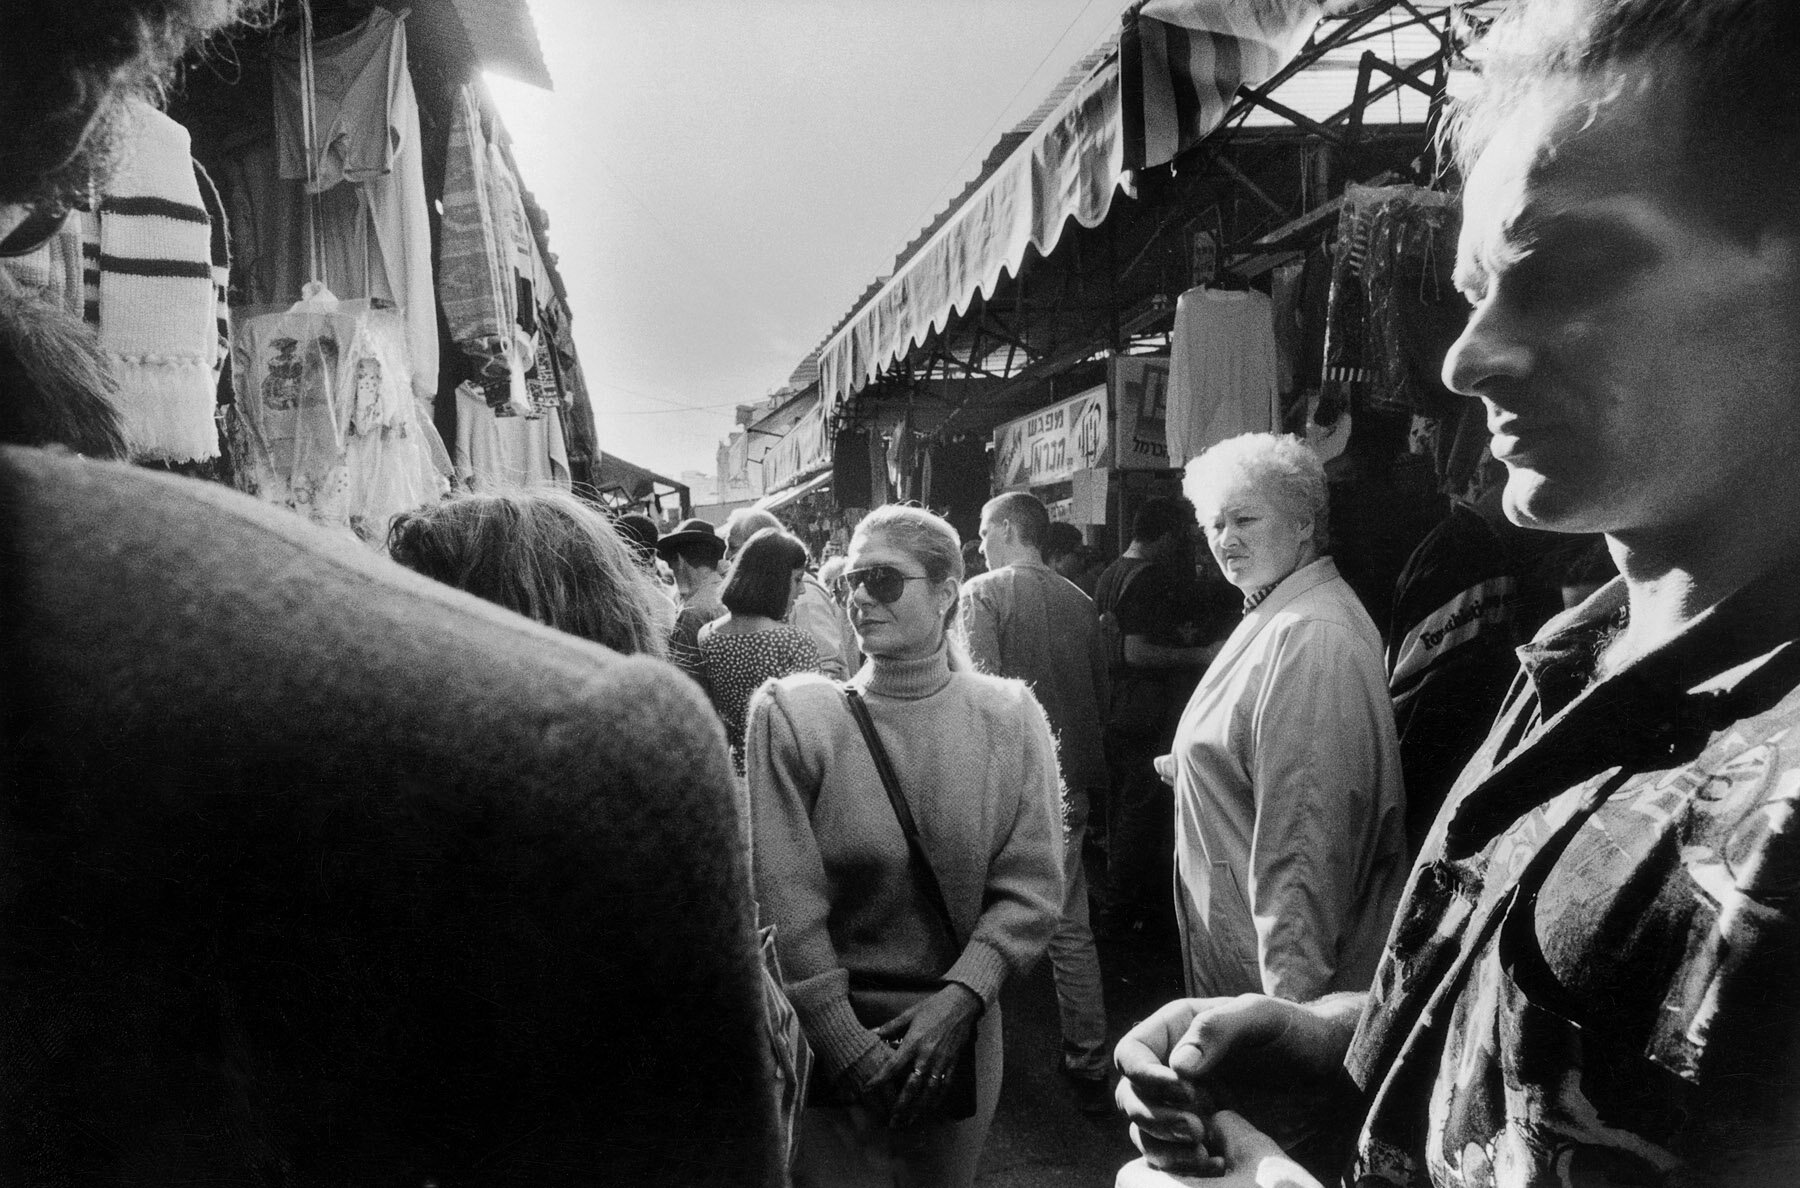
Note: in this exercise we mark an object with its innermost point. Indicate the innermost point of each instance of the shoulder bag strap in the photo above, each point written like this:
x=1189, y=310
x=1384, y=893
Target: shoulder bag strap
x=934, y=894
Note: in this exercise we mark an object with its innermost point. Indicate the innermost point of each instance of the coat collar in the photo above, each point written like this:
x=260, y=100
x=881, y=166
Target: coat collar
x=1295, y=585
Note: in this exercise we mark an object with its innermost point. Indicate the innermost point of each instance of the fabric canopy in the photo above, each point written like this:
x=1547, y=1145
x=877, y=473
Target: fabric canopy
x=1183, y=62
x=782, y=498
x=1067, y=168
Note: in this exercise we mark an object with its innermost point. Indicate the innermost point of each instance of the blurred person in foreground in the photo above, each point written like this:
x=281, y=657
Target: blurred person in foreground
x=541, y=553
x=1023, y=621
x=897, y=984
x=1594, y=974
x=314, y=867
x=1476, y=588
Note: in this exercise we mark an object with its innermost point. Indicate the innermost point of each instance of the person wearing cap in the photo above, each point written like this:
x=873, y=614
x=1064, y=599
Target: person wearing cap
x=694, y=551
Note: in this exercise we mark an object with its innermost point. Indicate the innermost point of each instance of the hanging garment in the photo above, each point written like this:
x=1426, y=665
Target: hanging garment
x=155, y=297
x=1286, y=290
x=220, y=251
x=374, y=234
x=293, y=409
x=578, y=410
x=269, y=262
x=901, y=452
x=358, y=76
x=1221, y=371
x=850, y=468
x=480, y=257
x=326, y=422
x=1414, y=311
x=387, y=445
x=494, y=451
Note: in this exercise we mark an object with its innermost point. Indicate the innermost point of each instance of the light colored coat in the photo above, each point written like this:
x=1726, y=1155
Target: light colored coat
x=1290, y=847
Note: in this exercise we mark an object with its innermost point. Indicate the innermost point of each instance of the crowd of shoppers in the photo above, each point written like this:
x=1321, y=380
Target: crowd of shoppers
x=318, y=871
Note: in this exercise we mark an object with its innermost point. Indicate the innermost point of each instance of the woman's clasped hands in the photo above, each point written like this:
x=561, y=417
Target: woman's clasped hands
x=905, y=1078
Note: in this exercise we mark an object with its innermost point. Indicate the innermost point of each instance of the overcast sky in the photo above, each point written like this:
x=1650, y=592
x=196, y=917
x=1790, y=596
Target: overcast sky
x=723, y=177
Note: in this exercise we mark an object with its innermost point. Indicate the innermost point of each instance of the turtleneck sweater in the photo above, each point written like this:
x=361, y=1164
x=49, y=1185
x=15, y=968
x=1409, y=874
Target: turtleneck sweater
x=977, y=766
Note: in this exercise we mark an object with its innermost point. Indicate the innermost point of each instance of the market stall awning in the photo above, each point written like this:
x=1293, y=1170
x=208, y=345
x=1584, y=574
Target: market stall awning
x=1067, y=167
x=781, y=499
x=1184, y=60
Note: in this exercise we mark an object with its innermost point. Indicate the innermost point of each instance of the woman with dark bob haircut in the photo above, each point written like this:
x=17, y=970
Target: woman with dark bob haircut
x=542, y=553
x=752, y=644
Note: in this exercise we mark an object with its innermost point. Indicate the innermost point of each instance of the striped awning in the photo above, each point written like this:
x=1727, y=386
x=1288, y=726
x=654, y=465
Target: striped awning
x=1185, y=60
x=1066, y=168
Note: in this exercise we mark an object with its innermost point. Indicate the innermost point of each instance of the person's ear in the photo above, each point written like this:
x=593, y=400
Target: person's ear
x=945, y=594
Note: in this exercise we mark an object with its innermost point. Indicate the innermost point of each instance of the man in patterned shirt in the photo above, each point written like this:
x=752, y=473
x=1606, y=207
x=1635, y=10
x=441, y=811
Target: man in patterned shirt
x=1595, y=974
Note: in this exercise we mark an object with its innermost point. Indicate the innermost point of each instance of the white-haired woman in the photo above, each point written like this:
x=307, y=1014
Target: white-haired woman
x=888, y=988
x=1290, y=843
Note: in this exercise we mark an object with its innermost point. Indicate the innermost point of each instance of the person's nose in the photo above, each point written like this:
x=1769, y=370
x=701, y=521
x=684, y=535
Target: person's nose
x=1491, y=351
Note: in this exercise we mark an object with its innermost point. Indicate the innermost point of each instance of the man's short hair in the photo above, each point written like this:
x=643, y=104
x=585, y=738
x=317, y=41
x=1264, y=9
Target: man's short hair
x=1159, y=517
x=746, y=522
x=1026, y=513
x=1726, y=66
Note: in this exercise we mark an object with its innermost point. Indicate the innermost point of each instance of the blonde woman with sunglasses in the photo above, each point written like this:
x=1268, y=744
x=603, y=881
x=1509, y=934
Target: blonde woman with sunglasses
x=894, y=955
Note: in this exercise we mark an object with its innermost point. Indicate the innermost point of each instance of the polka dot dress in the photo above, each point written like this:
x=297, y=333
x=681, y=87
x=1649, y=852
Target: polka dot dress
x=738, y=665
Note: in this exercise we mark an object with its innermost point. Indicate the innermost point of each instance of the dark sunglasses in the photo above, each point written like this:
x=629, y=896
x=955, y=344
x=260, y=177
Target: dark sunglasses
x=884, y=583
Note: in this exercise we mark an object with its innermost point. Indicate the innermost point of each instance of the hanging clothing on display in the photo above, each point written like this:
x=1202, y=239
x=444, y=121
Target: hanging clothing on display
x=1286, y=291
x=507, y=451
x=478, y=298
x=485, y=254
x=150, y=248
x=325, y=421
x=372, y=231
x=850, y=468
x=292, y=409
x=220, y=250
x=1348, y=369
x=577, y=411
x=1222, y=370
x=1414, y=314
x=902, y=453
